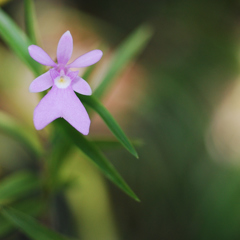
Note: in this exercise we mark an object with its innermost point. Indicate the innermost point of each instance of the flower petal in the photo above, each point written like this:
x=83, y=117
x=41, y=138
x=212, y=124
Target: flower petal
x=48, y=109
x=41, y=83
x=54, y=73
x=73, y=74
x=61, y=103
x=65, y=48
x=87, y=59
x=79, y=85
x=74, y=112
x=40, y=56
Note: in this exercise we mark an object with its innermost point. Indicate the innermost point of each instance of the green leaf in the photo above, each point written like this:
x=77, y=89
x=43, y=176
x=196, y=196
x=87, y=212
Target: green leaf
x=15, y=38
x=96, y=156
x=33, y=207
x=29, y=225
x=55, y=159
x=30, y=20
x=109, y=120
x=88, y=72
x=109, y=143
x=25, y=136
x=126, y=52
x=18, y=185
x=5, y=227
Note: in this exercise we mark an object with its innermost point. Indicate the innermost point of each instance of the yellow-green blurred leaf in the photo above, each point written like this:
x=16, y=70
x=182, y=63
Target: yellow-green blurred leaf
x=17, y=40
x=29, y=225
x=17, y=185
x=2, y=2
x=125, y=53
x=33, y=207
x=25, y=136
x=30, y=20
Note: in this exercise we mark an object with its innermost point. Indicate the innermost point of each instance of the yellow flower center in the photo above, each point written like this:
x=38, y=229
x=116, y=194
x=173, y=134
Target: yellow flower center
x=62, y=81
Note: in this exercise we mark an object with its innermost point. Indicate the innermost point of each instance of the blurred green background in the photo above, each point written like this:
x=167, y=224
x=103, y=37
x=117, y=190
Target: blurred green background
x=181, y=98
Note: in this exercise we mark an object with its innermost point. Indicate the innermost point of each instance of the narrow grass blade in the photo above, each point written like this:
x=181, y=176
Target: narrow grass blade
x=126, y=52
x=33, y=207
x=109, y=144
x=30, y=20
x=110, y=122
x=59, y=152
x=26, y=137
x=15, y=38
x=18, y=185
x=29, y=225
x=88, y=72
x=97, y=157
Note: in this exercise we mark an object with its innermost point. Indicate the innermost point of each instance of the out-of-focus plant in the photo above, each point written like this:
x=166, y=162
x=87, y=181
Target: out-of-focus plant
x=3, y=1
x=27, y=194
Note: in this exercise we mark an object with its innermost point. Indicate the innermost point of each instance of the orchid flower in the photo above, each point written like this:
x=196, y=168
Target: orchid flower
x=61, y=101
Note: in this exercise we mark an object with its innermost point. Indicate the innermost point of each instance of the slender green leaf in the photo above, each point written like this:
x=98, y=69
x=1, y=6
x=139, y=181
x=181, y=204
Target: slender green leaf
x=18, y=185
x=15, y=38
x=29, y=225
x=88, y=72
x=90, y=150
x=30, y=20
x=109, y=143
x=5, y=227
x=59, y=151
x=126, y=52
x=33, y=207
x=109, y=120
x=26, y=137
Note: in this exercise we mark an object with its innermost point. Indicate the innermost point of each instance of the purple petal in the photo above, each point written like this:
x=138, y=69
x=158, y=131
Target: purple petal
x=64, y=49
x=74, y=112
x=81, y=86
x=61, y=103
x=73, y=74
x=54, y=73
x=40, y=56
x=48, y=109
x=87, y=59
x=41, y=83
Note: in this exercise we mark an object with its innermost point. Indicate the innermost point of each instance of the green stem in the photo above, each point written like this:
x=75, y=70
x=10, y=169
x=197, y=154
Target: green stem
x=30, y=20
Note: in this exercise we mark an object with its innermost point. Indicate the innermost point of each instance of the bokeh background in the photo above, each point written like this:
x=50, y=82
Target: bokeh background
x=181, y=98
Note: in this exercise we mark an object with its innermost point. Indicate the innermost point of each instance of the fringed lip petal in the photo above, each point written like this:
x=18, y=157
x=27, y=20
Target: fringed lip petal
x=87, y=59
x=39, y=55
x=65, y=48
x=79, y=85
x=41, y=83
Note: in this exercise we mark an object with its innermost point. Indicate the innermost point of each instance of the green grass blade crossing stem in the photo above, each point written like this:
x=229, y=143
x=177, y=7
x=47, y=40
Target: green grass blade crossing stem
x=18, y=185
x=110, y=122
x=29, y=225
x=90, y=150
x=33, y=207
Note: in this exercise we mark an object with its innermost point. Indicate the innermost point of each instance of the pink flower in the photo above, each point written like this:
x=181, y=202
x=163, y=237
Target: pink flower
x=61, y=101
